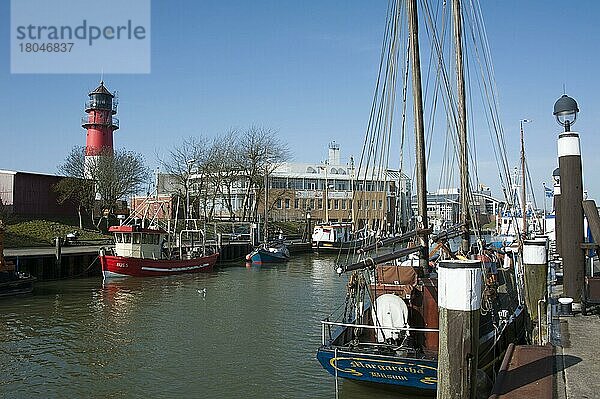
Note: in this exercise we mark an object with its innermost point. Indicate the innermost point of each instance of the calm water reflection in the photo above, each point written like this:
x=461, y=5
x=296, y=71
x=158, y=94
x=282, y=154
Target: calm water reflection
x=238, y=332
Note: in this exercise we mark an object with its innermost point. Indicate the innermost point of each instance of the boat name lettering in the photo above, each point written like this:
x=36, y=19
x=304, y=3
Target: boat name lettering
x=121, y=264
x=389, y=376
x=386, y=367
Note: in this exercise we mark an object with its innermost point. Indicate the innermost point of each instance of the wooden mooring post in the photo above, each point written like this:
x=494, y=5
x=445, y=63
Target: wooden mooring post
x=58, y=255
x=459, y=301
x=571, y=215
x=535, y=265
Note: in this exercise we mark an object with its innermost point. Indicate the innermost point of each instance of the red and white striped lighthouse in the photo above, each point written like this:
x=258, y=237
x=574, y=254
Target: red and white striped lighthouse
x=100, y=125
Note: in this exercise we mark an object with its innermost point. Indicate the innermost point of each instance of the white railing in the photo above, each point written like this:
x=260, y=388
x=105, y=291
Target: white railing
x=327, y=323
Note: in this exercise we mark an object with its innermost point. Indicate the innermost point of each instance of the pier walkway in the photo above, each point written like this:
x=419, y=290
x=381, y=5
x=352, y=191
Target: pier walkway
x=569, y=367
x=578, y=357
x=50, y=251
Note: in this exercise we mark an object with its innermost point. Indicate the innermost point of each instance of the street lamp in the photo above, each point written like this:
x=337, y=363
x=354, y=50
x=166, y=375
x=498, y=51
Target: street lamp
x=556, y=177
x=565, y=111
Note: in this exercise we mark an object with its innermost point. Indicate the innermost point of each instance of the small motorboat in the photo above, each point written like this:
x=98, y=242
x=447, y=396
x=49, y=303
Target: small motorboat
x=269, y=253
x=15, y=283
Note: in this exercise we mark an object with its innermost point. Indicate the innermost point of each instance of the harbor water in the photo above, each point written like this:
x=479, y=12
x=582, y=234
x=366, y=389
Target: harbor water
x=241, y=331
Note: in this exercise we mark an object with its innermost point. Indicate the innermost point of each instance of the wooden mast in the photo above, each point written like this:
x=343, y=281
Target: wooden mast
x=523, y=188
x=266, y=210
x=465, y=218
x=460, y=281
x=413, y=27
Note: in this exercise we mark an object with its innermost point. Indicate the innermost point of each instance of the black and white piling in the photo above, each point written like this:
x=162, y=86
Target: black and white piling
x=557, y=215
x=571, y=214
x=459, y=301
x=535, y=261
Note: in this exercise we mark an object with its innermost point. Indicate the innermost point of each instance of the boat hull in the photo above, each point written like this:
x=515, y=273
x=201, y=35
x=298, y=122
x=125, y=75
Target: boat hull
x=326, y=246
x=419, y=375
x=17, y=286
x=120, y=266
x=264, y=256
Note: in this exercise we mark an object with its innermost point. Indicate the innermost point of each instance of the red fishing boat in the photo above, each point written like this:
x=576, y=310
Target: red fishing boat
x=142, y=252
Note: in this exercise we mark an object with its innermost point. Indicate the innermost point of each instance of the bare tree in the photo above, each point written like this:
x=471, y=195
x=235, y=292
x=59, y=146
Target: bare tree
x=183, y=161
x=223, y=170
x=106, y=178
x=75, y=186
x=80, y=191
x=260, y=149
x=213, y=168
x=118, y=176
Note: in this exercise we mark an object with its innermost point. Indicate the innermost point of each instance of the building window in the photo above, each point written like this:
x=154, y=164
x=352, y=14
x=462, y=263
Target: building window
x=312, y=204
x=287, y=203
x=343, y=204
x=380, y=204
x=336, y=204
x=320, y=203
x=373, y=204
x=296, y=203
x=279, y=203
x=278, y=182
x=328, y=204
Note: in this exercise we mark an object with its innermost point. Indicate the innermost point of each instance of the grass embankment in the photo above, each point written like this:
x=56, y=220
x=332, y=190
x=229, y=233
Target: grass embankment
x=39, y=233
x=36, y=233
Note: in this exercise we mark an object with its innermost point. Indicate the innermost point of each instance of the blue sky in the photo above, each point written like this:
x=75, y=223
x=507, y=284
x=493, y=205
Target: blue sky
x=306, y=68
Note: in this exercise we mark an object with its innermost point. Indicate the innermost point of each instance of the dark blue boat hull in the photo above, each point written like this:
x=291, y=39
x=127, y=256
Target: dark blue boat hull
x=264, y=256
x=410, y=374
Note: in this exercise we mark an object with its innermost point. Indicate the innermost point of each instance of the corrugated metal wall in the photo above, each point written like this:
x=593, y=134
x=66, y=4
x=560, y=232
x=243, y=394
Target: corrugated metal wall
x=6, y=190
x=34, y=195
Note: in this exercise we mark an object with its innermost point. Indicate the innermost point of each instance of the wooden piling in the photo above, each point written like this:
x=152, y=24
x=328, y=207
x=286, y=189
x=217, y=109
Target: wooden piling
x=535, y=265
x=557, y=219
x=571, y=188
x=459, y=302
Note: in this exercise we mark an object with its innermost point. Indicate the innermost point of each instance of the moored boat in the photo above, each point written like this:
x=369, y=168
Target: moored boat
x=272, y=253
x=12, y=282
x=389, y=330
x=335, y=237
x=141, y=252
x=15, y=283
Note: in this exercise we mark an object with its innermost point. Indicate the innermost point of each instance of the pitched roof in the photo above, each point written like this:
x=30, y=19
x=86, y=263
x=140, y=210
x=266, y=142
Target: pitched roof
x=101, y=89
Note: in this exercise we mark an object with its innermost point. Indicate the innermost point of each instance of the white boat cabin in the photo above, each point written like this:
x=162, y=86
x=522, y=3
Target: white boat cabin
x=137, y=242
x=331, y=233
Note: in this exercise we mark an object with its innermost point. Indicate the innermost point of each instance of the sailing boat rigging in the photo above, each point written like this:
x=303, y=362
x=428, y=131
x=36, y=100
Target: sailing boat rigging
x=268, y=252
x=387, y=330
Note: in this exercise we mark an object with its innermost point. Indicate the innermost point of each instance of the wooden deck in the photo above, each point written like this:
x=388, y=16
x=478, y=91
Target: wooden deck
x=526, y=372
